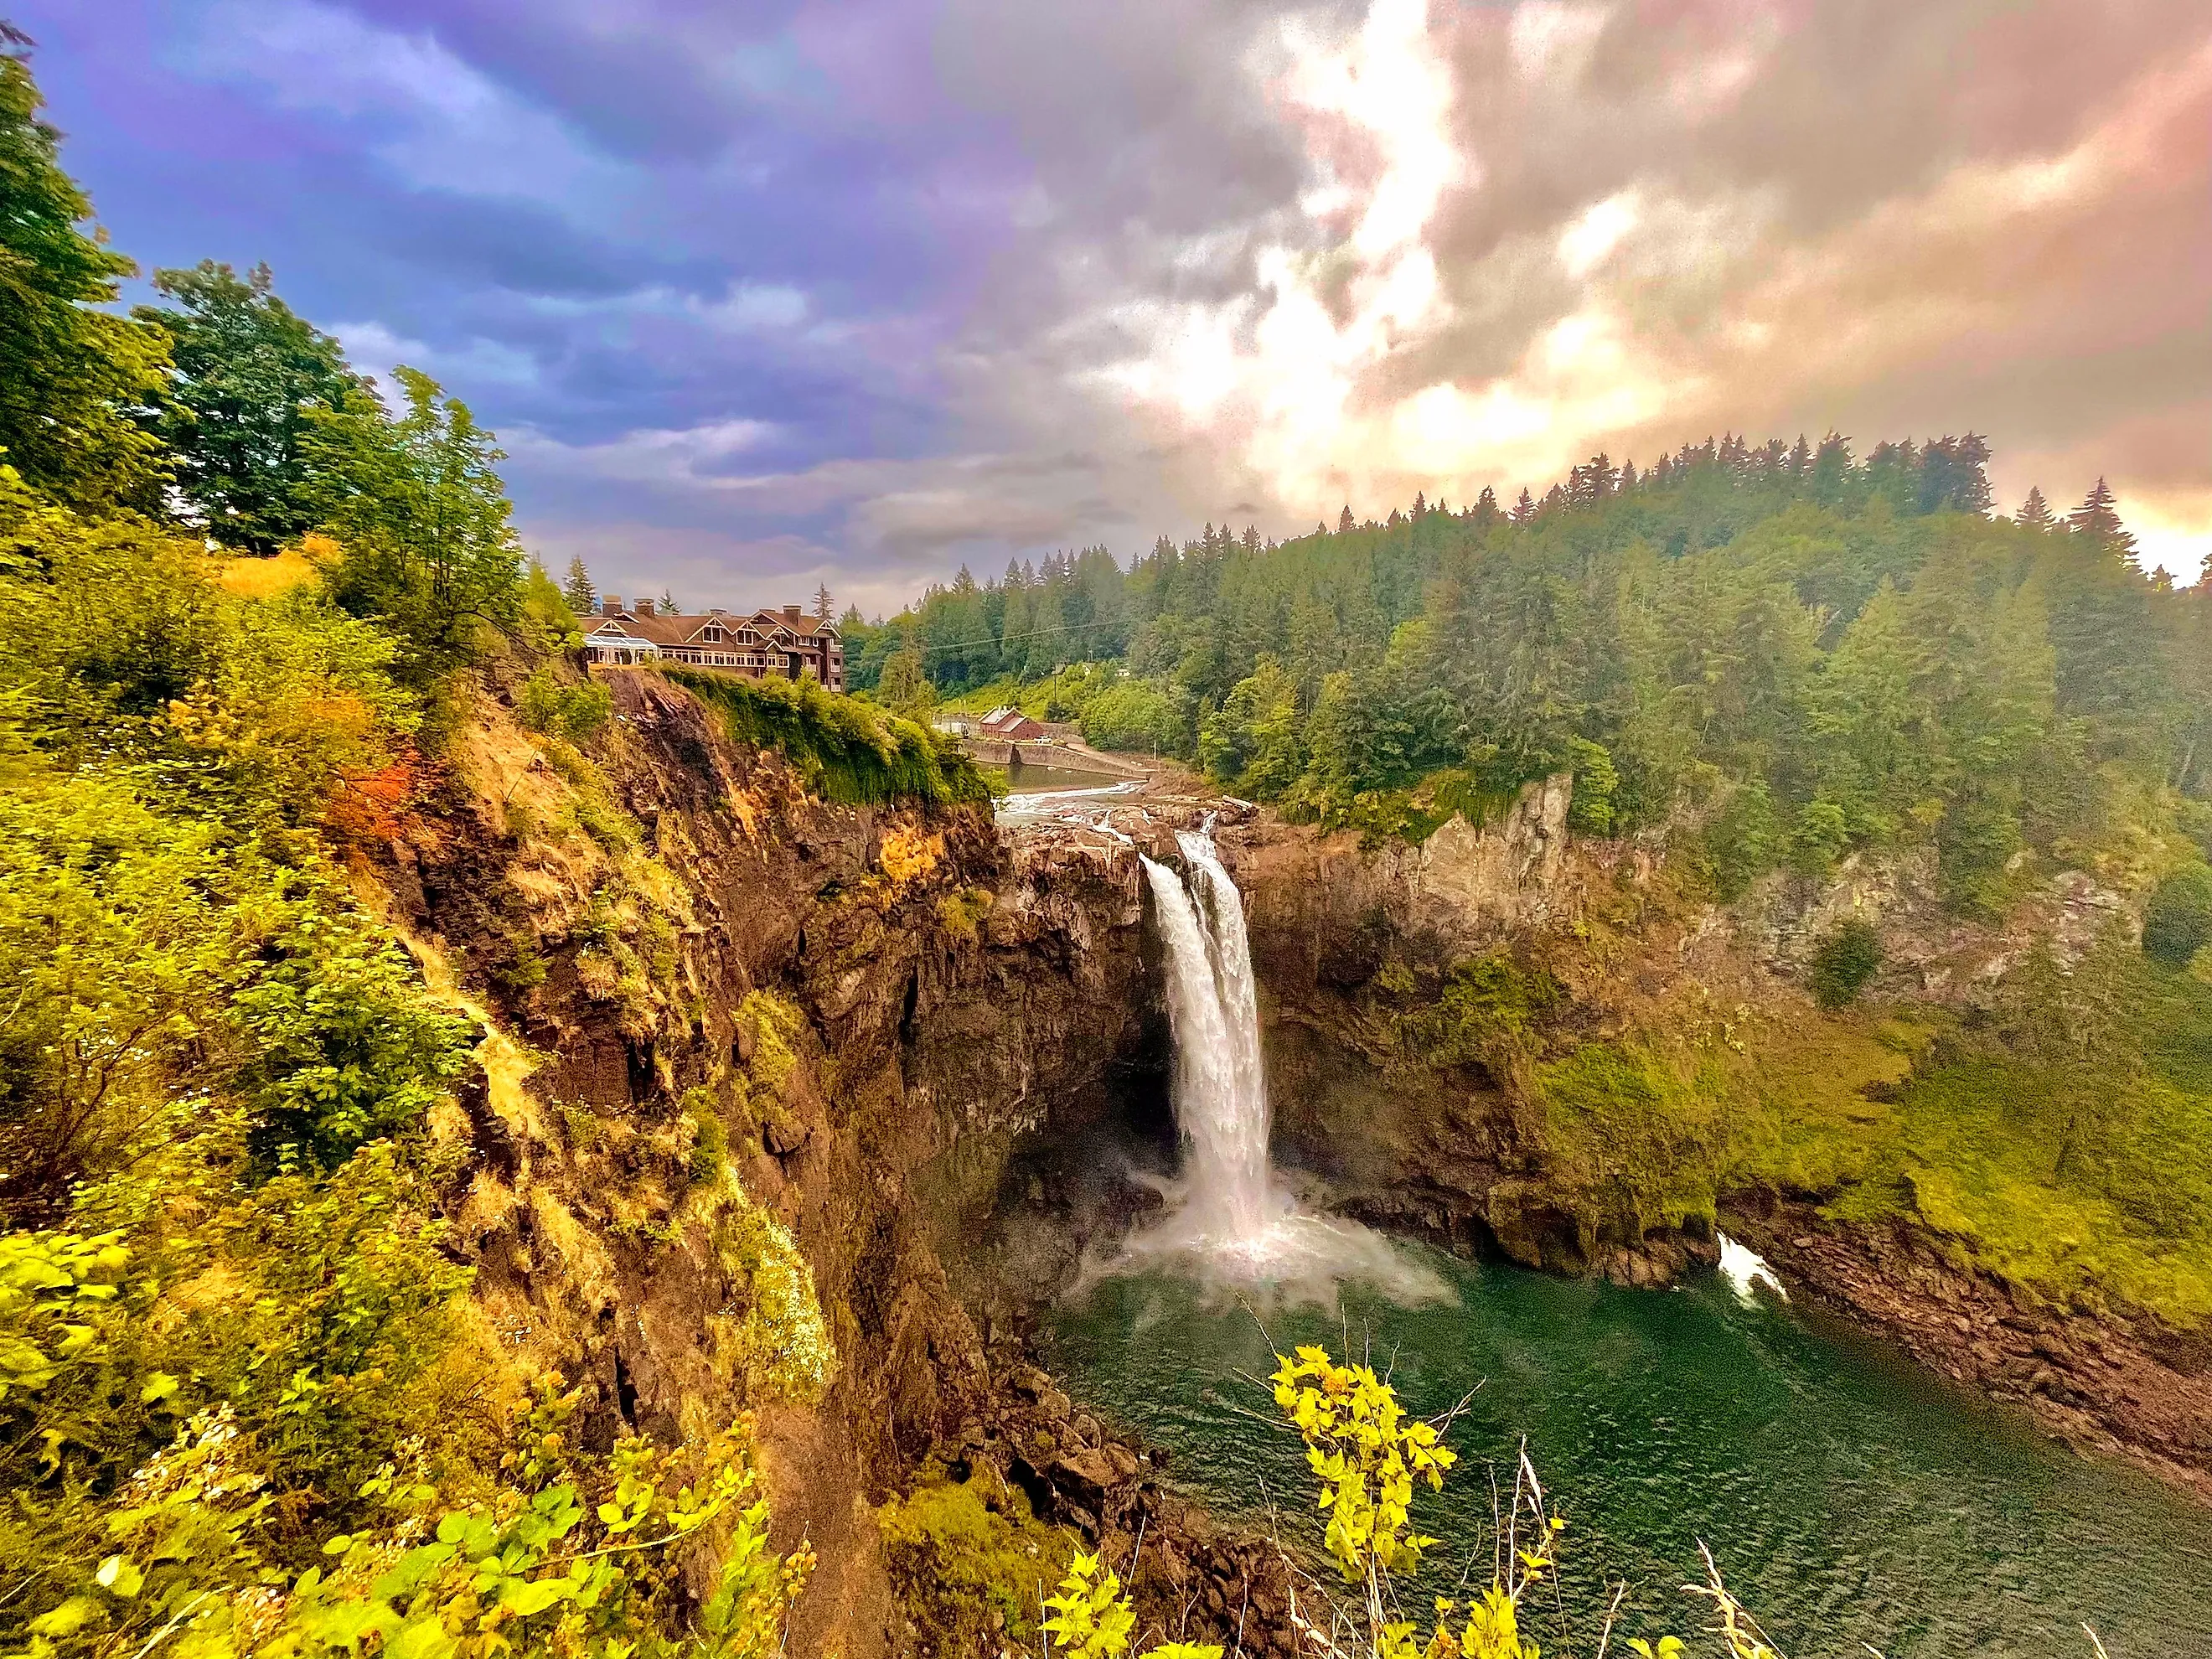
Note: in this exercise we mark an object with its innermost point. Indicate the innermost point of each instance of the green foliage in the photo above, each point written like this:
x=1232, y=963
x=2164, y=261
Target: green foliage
x=46, y=1280
x=563, y=707
x=2177, y=921
x=1596, y=782
x=574, y=1554
x=1848, y=956
x=71, y=376
x=970, y=1564
x=344, y=1045
x=1253, y=742
x=246, y=370
x=1139, y=716
x=418, y=504
x=845, y=750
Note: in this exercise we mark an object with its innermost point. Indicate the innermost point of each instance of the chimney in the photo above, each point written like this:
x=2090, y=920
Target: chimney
x=645, y=607
x=610, y=605
x=791, y=613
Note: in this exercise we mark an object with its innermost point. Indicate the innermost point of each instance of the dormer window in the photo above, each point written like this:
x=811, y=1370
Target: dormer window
x=713, y=634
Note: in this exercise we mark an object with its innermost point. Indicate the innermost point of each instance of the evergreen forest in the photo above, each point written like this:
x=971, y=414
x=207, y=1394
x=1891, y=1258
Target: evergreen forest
x=1793, y=652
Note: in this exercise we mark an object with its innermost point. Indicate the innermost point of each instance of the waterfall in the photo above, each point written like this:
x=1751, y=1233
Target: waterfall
x=1220, y=1089
x=1229, y=1217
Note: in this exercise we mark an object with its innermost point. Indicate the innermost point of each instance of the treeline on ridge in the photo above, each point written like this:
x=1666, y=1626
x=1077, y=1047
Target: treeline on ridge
x=1793, y=650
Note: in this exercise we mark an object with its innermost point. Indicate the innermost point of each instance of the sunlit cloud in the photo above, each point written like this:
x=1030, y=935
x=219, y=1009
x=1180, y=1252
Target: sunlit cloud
x=1671, y=303
x=883, y=289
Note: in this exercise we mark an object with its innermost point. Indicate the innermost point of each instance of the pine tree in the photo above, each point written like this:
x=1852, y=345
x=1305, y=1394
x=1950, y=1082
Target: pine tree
x=2035, y=513
x=1344, y=521
x=822, y=600
x=577, y=588
x=2096, y=520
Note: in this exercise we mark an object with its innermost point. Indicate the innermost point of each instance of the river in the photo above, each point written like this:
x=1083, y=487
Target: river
x=1849, y=1497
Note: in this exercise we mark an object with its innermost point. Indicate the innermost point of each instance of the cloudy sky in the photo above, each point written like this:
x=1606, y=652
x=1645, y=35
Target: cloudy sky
x=759, y=293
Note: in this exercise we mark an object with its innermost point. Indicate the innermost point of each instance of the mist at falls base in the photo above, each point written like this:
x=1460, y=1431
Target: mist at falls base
x=1230, y=1220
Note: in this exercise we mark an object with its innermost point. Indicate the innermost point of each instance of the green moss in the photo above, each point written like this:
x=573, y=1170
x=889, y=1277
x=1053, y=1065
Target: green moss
x=1486, y=1014
x=845, y=750
x=779, y=1340
x=769, y=1027
x=1645, y=1131
x=710, y=1140
x=963, y=912
x=2075, y=1181
x=970, y=1564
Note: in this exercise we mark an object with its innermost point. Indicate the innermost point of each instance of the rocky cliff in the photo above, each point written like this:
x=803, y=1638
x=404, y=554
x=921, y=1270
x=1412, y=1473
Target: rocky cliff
x=721, y=1002
x=733, y=1017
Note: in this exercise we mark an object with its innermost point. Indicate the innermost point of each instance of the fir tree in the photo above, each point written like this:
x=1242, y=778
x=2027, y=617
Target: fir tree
x=1344, y=520
x=576, y=589
x=2097, y=522
x=2035, y=513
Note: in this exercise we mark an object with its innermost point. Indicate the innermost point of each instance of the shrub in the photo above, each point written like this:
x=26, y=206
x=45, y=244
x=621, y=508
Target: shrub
x=844, y=750
x=561, y=709
x=1843, y=962
x=2178, y=922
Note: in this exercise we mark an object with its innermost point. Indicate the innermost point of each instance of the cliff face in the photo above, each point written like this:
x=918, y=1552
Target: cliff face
x=729, y=1003
x=1684, y=1078
x=1346, y=939
x=734, y=1014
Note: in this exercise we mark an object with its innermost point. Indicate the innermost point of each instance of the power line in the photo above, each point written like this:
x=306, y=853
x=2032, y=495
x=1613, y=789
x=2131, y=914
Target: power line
x=1011, y=638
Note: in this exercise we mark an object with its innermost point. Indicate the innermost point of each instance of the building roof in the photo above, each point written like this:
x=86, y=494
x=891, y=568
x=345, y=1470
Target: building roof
x=677, y=627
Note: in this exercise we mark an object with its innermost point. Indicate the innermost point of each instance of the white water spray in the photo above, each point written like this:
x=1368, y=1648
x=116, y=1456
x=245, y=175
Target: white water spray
x=1228, y=1213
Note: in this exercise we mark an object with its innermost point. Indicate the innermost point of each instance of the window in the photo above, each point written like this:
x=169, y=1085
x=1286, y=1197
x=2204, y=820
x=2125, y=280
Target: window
x=713, y=634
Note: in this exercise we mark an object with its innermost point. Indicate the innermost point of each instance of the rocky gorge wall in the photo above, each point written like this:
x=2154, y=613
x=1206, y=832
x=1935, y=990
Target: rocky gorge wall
x=897, y=1032
x=719, y=1001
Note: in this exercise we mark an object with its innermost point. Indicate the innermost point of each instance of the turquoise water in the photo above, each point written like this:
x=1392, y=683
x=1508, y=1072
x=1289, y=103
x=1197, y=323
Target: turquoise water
x=1849, y=1497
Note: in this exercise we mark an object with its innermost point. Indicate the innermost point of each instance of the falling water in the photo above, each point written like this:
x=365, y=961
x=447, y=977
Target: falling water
x=1220, y=1095
x=1229, y=1212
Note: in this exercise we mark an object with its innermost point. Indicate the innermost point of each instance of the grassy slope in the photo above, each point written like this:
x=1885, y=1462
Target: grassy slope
x=1873, y=1114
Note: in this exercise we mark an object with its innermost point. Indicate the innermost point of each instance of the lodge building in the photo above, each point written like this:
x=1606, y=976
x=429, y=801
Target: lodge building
x=788, y=643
